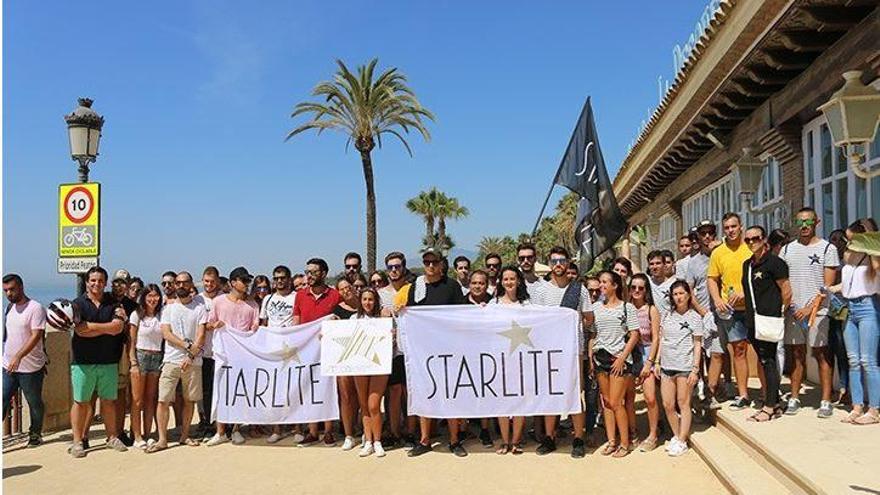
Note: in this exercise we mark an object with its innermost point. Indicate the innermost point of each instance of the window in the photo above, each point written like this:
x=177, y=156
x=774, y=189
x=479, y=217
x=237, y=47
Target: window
x=667, y=238
x=768, y=197
x=831, y=188
x=711, y=203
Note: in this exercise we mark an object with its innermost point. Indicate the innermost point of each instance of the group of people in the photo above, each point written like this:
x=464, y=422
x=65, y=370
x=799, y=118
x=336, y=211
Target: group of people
x=145, y=350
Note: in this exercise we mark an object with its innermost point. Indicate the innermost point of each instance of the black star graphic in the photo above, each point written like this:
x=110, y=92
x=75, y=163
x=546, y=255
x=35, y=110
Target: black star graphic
x=685, y=325
x=622, y=319
x=814, y=259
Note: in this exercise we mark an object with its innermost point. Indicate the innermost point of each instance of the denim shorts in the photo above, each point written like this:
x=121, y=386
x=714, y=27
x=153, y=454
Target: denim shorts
x=735, y=327
x=149, y=362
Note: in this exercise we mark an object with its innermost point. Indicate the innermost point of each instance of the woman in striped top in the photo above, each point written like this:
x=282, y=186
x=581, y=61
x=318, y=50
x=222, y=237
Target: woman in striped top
x=681, y=333
x=615, y=335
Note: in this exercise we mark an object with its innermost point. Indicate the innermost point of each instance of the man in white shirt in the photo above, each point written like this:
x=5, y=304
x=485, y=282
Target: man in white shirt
x=183, y=327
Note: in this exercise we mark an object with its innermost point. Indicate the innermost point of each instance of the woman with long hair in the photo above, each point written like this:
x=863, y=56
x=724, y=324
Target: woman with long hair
x=370, y=389
x=680, y=351
x=860, y=287
x=649, y=331
x=511, y=290
x=615, y=335
x=348, y=400
x=379, y=279
x=260, y=288
x=836, y=323
x=145, y=354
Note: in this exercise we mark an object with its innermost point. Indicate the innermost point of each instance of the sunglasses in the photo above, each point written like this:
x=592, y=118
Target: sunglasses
x=805, y=223
x=493, y=265
x=376, y=281
x=262, y=289
x=314, y=273
x=594, y=291
x=558, y=261
x=166, y=283
x=431, y=262
x=752, y=240
x=526, y=258
x=278, y=279
x=352, y=267
x=636, y=287
x=395, y=267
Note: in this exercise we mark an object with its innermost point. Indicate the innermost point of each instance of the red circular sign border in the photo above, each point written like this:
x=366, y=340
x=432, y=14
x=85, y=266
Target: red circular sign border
x=91, y=204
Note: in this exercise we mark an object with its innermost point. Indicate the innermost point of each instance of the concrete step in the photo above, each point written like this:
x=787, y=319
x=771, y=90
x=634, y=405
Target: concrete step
x=737, y=469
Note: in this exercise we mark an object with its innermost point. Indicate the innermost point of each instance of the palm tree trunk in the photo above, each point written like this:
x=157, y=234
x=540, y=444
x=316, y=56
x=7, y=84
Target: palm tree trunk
x=429, y=226
x=367, y=162
x=441, y=232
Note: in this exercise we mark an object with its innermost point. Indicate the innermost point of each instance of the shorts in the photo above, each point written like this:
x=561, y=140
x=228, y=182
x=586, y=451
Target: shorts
x=191, y=381
x=398, y=371
x=712, y=336
x=604, y=360
x=673, y=374
x=149, y=361
x=734, y=328
x=86, y=379
x=816, y=336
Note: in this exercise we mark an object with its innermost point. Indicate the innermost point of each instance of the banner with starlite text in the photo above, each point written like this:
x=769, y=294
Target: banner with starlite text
x=476, y=362
x=271, y=376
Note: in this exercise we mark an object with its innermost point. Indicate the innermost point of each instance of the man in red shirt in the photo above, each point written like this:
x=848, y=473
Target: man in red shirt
x=312, y=303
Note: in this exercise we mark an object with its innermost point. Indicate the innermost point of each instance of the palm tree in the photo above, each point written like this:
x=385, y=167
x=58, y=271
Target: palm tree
x=447, y=207
x=365, y=109
x=432, y=205
x=425, y=204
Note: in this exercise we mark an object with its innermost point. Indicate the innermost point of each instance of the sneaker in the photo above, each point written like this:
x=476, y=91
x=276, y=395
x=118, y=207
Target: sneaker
x=757, y=404
x=739, y=403
x=140, y=444
x=486, y=438
x=409, y=442
x=329, y=440
x=298, y=438
x=349, y=444
x=76, y=450
x=714, y=405
x=458, y=449
x=378, y=449
x=274, y=438
x=125, y=439
x=678, y=449
x=793, y=406
x=419, y=449
x=309, y=439
x=578, y=448
x=547, y=445
x=826, y=410
x=366, y=448
x=116, y=444
x=672, y=442
x=34, y=441
x=217, y=439
x=392, y=441
x=237, y=438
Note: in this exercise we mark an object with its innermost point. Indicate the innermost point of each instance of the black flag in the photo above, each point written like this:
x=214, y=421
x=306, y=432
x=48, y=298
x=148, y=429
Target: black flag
x=599, y=222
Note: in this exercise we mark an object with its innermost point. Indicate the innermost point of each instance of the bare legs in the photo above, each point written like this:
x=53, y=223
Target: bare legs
x=613, y=389
x=676, y=391
x=348, y=398
x=369, y=393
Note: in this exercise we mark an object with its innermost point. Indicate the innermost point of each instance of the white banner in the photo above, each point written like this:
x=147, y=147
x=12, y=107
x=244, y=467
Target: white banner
x=271, y=376
x=356, y=347
x=475, y=362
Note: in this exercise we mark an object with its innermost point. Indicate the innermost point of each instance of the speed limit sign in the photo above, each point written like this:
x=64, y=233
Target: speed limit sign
x=79, y=219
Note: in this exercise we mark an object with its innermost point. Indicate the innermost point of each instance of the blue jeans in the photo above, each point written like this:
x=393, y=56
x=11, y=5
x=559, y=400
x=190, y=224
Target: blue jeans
x=862, y=336
x=838, y=351
x=31, y=385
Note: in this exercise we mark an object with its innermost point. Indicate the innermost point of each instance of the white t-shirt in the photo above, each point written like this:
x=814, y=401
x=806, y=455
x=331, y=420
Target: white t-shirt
x=184, y=320
x=149, y=333
x=677, y=340
x=208, y=302
x=278, y=310
x=681, y=267
x=661, y=295
x=21, y=321
x=806, y=270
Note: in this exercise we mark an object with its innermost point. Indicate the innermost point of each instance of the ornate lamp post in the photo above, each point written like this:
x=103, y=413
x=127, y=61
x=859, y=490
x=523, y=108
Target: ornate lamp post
x=84, y=130
x=853, y=113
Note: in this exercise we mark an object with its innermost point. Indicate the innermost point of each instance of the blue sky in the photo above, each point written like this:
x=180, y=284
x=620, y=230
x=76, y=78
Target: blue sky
x=197, y=97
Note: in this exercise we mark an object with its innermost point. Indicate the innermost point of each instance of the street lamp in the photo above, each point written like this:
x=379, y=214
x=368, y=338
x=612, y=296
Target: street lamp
x=84, y=130
x=853, y=114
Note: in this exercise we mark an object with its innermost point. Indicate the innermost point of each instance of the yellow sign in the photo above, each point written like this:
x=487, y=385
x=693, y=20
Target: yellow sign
x=79, y=219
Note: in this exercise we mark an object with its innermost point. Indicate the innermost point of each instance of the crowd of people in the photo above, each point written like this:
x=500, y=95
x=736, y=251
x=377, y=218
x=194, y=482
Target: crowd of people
x=679, y=333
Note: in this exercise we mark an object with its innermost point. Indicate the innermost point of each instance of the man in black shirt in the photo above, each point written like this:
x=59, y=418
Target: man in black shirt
x=96, y=347
x=434, y=288
x=767, y=291
x=119, y=287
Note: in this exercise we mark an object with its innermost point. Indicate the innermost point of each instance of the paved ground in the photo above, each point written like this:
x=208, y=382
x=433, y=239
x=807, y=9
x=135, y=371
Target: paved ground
x=260, y=468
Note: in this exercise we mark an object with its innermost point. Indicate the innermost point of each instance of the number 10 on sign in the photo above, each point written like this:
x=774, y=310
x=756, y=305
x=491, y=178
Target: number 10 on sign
x=79, y=220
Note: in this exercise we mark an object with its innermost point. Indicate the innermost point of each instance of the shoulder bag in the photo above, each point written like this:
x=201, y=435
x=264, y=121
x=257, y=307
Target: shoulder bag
x=767, y=328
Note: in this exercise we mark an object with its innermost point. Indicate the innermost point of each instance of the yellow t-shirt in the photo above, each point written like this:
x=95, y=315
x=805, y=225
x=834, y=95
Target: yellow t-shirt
x=402, y=295
x=727, y=264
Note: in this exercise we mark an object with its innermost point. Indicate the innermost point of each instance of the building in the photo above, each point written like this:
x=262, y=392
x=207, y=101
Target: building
x=754, y=79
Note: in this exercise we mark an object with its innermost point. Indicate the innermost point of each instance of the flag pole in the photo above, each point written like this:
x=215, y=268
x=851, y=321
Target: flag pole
x=544, y=207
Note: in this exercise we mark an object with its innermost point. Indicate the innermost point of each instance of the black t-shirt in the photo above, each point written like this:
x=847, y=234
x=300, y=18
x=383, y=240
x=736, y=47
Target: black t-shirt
x=342, y=313
x=128, y=305
x=103, y=349
x=768, y=295
x=442, y=292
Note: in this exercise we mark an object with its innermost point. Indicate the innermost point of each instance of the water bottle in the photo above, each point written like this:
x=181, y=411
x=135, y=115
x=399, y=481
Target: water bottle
x=728, y=313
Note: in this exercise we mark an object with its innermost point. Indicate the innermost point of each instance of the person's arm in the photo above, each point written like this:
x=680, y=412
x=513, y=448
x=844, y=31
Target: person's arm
x=694, y=375
x=590, y=340
x=171, y=338
x=655, y=334
x=620, y=362
x=714, y=286
x=88, y=329
x=785, y=287
x=132, y=349
x=34, y=339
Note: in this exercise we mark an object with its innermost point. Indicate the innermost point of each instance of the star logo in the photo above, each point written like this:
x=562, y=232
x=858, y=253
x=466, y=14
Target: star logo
x=287, y=353
x=685, y=325
x=814, y=259
x=622, y=319
x=759, y=275
x=518, y=335
x=359, y=344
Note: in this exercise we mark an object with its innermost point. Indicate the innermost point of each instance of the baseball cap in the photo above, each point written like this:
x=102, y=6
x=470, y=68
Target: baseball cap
x=121, y=275
x=706, y=224
x=432, y=252
x=240, y=273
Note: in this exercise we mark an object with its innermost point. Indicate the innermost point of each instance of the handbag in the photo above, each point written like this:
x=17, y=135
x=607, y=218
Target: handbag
x=767, y=328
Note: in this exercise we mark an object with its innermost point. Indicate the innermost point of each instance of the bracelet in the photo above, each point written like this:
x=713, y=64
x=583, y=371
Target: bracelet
x=650, y=361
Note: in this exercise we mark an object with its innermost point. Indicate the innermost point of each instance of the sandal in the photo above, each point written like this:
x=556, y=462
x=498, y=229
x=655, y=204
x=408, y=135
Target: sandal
x=761, y=416
x=609, y=449
x=156, y=447
x=867, y=419
x=503, y=449
x=851, y=418
x=190, y=442
x=516, y=449
x=621, y=452
x=648, y=444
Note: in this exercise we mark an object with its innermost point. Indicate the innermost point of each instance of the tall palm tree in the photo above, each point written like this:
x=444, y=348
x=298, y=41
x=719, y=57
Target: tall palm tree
x=365, y=108
x=425, y=204
x=447, y=207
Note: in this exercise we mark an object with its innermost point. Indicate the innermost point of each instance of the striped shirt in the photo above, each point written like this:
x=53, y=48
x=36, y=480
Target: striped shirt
x=612, y=327
x=549, y=294
x=806, y=270
x=677, y=334
x=661, y=295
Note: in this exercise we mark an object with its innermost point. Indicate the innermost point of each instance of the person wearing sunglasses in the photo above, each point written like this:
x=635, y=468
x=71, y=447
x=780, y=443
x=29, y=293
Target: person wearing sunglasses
x=593, y=289
x=260, y=288
x=378, y=280
x=560, y=291
x=435, y=288
x=641, y=298
x=169, y=291
x=526, y=256
x=352, y=262
x=812, y=264
x=765, y=276
x=493, y=266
